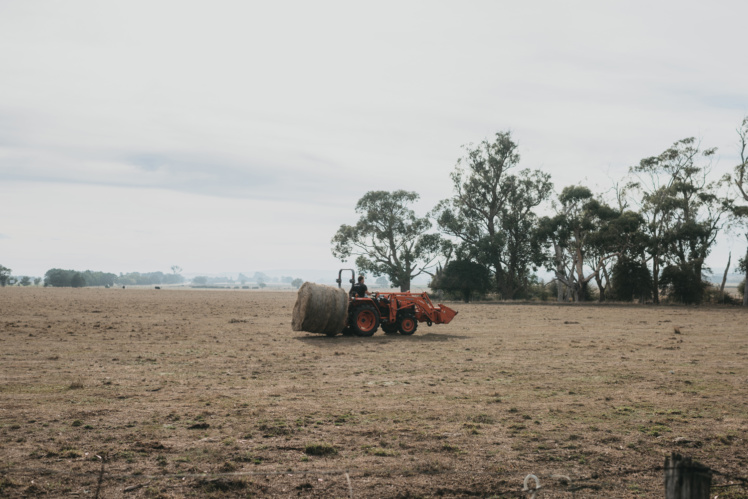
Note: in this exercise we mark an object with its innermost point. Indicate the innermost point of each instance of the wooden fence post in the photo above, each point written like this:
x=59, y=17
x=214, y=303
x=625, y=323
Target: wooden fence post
x=686, y=479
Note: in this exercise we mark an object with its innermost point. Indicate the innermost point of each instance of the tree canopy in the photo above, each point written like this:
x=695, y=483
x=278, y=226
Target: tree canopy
x=491, y=214
x=650, y=240
x=684, y=211
x=4, y=275
x=389, y=239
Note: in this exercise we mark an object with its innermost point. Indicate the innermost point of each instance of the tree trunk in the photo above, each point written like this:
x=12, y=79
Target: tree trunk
x=606, y=280
x=560, y=287
x=745, y=290
x=697, y=273
x=600, y=288
x=581, y=294
x=724, y=279
x=655, y=280
x=510, y=287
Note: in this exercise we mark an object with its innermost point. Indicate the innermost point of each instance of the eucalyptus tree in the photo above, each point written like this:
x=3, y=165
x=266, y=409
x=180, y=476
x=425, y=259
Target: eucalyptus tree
x=585, y=234
x=389, y=239
x=617, y=241
x=492, y=213
x=4, y=275
x=684, y=211
x=740, y=180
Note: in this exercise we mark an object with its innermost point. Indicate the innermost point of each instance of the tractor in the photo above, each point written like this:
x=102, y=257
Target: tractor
x=395, y=312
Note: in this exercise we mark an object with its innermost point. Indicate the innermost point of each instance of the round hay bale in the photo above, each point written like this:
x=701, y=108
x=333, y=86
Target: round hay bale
x=320, y=309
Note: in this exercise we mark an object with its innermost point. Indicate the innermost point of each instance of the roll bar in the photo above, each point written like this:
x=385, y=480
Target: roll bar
x=339, y=280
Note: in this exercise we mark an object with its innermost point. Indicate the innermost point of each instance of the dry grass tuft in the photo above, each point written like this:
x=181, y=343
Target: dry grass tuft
x=76, y=385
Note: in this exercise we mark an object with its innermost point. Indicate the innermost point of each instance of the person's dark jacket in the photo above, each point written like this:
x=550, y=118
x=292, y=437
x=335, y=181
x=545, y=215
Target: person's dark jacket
x=359, y=289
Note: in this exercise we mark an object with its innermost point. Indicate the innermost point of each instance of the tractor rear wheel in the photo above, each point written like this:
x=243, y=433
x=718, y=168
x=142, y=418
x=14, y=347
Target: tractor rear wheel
x=407, y=324
x=364, y=320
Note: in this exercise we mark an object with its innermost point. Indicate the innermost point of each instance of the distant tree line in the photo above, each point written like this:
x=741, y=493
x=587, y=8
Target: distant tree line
x=647, y=237
x=148, y=278
x=60, y=278
x=77, y=279
x=6, y=279
x=262, y=278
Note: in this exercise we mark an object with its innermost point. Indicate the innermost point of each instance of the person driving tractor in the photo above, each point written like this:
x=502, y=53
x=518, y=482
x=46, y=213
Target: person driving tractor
x=359, y=289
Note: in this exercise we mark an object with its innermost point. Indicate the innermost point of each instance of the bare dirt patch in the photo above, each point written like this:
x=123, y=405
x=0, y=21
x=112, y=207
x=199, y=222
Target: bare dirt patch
x=210, y=393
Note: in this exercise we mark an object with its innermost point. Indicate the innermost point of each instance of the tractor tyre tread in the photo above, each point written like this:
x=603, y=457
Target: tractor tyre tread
x=407, y=324
x=364, y=321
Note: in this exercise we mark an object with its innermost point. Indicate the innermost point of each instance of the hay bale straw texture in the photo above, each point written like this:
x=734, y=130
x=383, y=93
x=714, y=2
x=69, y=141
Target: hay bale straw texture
x=320, y=309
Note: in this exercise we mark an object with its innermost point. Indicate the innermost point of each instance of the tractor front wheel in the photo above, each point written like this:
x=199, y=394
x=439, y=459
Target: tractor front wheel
x=407, y=324
x=364, y=321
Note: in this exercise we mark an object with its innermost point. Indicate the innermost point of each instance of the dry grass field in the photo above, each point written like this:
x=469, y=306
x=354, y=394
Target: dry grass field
x=211, y=394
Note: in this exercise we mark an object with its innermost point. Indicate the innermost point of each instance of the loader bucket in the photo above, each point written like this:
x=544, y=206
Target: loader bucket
x=445, y=314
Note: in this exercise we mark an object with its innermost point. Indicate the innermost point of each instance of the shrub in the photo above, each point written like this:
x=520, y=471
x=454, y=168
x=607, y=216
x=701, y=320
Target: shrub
x=464, y=279
x=631, y=280
x=683, y=283
x=538, y=290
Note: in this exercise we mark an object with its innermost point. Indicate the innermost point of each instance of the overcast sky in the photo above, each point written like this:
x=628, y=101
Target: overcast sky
x=234, y=136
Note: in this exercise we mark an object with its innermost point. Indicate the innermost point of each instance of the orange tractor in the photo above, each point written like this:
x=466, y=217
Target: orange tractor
x=395, y=312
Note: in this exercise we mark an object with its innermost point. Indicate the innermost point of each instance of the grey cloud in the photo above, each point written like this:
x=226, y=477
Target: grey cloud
x=233, y=177
x=725, y=101
x=149, y=162
x=296, y=176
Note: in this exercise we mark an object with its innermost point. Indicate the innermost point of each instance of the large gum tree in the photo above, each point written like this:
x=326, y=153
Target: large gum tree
x=683, y=212
x=492, y=213
x=584, y=236
x=389, y=239
x=740, y=179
